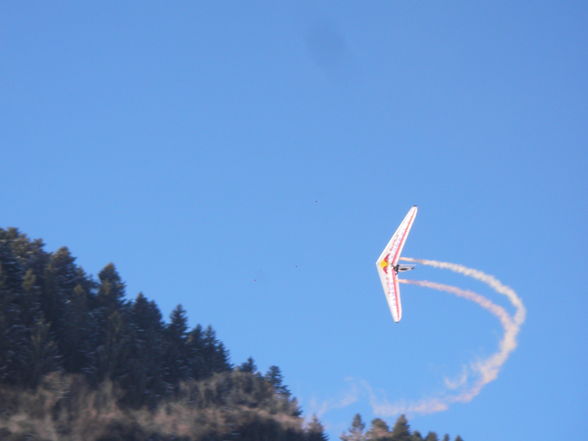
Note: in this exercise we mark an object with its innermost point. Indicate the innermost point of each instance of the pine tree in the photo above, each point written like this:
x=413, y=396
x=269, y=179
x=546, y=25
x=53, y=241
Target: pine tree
x=10, y=267
x=379, y=431
x=53, y=317
x=109, y=359
x=458, y=438
x=13, y=332
x=315, y=430
x=401, y=430
x=109, y=334
x=60, y=303
x=288, y=404
x=76, y=331
x=276, y=379
x=39, y=355
x=29, y=253
x=147, y=385
x=177, y=357
x=111, y=290
x=355, y=432
x=29, y=299
x=431, y=436
x=248, y=366
x=196, y=353
x=215, y=354
x=61, y=276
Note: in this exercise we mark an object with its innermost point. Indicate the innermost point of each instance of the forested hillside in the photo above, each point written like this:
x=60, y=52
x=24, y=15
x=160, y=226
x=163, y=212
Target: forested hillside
x=79, y=361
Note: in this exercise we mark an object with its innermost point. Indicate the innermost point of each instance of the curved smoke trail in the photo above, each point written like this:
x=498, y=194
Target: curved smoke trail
x=485, y=370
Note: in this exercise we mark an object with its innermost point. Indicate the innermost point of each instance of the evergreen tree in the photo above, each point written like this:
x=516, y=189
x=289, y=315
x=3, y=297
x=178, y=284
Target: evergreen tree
x=11, y=269
x=248, y=366
x=401, y=430
x=76, y=331
x=111, y=290
x=177, y=357
x=54, y=318
x=431, y=436
x=13, y=333
x=29, y=299
x=40, y=354
x=416, y=436
x=109, y=360
x=196, y=352
x=146, y=356
x=109, y=333
x=29, y=253
x=37, y=353
x=216, y=357
x=65, y=308
x=356, y=431
x=315, y=430
x=63, y=271
x=178, y=326
x=276, y=379
x=458, y=438
x=379, y=431
x=61, y=277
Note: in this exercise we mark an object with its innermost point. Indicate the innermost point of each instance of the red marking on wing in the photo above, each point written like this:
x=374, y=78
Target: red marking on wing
x=402, y=240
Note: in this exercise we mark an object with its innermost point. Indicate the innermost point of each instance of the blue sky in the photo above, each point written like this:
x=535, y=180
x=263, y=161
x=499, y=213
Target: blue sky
x=249, y=160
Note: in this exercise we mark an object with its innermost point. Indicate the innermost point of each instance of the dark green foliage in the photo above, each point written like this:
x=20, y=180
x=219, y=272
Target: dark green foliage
x=54, y=317
x=379, y=431
x=111, y=290
x=50, y=308
x=76, y=332
x=30, y=298
x=401, y=430
x=146, y=354
x=248, y=366
x=176, y=362
x=315, y=430
x=60, y=278
x=80, y=361
x=275, y=378
x=13, y=331
x=216, y=357
x=40, y=354
x=71, y=347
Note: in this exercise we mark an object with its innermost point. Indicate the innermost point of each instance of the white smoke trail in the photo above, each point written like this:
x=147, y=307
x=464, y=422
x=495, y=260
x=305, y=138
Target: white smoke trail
x=485, y=370
x=493, y=282
x=352, y=394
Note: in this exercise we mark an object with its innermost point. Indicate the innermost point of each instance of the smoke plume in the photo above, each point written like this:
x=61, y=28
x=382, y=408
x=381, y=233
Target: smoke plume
x=474, y=377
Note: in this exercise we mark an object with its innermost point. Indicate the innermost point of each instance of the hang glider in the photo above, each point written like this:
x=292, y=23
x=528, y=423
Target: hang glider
x=388, y=266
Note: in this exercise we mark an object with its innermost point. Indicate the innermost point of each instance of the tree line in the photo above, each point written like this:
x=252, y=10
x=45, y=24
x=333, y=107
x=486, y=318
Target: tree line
x=380, y=431
x=79, y=360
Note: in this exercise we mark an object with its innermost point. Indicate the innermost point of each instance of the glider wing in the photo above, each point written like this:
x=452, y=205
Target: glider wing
x=388, y=260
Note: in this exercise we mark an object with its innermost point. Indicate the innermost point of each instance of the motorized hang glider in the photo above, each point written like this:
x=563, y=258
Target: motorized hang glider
x=388, y=266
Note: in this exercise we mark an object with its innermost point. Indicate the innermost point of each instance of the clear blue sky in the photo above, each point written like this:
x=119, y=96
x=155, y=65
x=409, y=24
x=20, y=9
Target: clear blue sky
x=249, y=160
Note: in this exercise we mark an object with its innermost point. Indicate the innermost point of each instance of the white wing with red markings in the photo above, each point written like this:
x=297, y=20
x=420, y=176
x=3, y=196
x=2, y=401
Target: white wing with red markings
x=389, y=259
